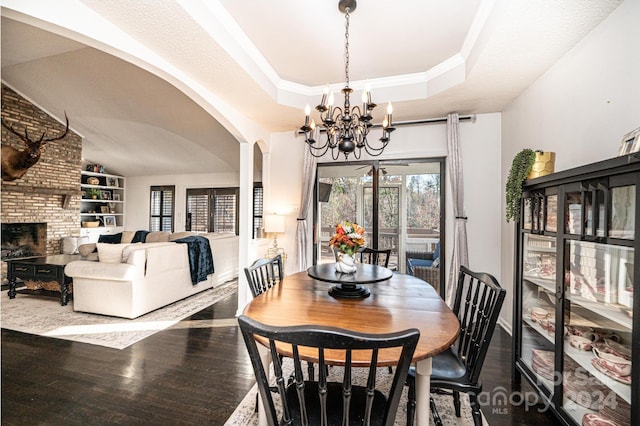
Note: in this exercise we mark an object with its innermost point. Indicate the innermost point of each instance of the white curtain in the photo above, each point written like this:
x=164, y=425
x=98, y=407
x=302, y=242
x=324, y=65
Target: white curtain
x=302, y=229
x=460, y=254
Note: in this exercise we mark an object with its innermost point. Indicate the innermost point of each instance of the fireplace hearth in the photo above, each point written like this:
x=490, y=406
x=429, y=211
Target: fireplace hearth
x=23, y=240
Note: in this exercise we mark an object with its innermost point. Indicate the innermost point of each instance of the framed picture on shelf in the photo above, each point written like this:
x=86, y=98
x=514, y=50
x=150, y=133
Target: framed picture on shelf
x=116, y=197
x=105, y=195
x=110, y=220
x=630, y=143
x=104, y=209
x=111, y=181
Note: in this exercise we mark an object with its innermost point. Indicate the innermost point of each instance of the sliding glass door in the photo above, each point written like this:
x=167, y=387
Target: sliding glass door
x=399, y=203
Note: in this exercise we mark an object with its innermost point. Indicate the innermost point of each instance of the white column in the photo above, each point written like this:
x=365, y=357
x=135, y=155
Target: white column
x=246, y=221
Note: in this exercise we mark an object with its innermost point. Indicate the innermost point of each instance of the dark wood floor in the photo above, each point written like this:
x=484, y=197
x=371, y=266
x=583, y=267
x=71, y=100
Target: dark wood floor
x=194, y=373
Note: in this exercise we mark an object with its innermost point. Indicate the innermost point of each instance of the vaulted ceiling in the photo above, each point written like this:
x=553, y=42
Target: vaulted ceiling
x=171, y=86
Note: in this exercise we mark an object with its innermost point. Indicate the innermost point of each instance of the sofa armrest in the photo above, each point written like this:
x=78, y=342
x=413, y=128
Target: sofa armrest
x=101, y=270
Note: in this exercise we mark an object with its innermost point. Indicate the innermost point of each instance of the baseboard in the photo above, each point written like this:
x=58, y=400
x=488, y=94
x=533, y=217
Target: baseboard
x=506, y=327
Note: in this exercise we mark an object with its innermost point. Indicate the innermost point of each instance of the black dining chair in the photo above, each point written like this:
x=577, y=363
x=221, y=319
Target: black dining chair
x=263, y=274
x=321, y=401
x=375, y=256
x=477, y=304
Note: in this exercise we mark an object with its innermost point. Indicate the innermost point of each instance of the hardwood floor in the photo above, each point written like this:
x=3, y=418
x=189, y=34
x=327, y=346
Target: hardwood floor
x=194, y=373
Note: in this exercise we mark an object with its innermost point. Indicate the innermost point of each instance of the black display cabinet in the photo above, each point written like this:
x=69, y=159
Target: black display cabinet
x=576, y=302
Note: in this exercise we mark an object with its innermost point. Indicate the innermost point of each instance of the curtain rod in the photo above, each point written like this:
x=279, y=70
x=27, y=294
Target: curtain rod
x=471, y=118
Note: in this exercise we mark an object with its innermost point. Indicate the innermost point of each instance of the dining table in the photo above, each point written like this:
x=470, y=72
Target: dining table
x=394, y=304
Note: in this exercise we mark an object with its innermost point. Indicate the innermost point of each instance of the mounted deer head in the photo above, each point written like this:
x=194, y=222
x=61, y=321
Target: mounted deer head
x=16, y=163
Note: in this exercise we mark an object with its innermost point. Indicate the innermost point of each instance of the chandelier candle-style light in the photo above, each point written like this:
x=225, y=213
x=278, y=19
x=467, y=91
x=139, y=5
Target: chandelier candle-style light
x=346, y=128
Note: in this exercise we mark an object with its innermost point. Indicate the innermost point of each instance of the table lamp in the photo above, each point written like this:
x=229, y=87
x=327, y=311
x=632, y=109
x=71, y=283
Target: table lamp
x=274, y=224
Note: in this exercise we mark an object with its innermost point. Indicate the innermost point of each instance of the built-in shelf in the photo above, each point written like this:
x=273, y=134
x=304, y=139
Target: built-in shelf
x=107, y=208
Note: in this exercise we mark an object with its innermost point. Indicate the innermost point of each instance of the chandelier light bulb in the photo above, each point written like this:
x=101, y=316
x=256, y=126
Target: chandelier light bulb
x=364, y=102
x=325, y=92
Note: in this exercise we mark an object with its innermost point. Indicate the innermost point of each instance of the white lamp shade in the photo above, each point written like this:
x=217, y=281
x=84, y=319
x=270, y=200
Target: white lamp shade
x=274, y=224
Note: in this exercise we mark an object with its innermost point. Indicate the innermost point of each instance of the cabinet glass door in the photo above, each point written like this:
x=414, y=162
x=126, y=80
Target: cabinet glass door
x=551, y=216
x=598, y=323
x=573, y=206
x=538, y=306
x=623, y=212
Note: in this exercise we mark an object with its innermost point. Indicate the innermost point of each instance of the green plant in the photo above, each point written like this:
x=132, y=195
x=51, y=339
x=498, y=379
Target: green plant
x=93, y=191
x=520, y=168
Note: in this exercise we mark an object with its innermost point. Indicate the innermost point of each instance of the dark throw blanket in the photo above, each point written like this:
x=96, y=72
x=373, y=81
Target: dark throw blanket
x=200, y=257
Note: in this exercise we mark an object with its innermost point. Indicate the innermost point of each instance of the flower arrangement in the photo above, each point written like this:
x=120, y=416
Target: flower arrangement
x=349, y=237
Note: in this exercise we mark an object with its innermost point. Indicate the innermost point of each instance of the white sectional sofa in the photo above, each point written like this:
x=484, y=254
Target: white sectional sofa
x=133, y=279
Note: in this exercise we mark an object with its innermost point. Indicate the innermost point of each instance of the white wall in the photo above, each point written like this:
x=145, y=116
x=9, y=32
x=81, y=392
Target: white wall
x=137, y=195
x=481, y=162
x=580, y=108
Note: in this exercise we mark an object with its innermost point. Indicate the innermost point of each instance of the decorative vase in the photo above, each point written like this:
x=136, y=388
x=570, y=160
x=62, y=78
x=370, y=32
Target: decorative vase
x=544, y=164
x=346, y=264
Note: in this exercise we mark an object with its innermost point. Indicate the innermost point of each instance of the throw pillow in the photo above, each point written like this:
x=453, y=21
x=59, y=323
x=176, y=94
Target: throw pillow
x=157, y=237
x=140, y=236
x=86, y=249
x=126, y=251
x=178, y=235
x=110, y=238
x=127, y=237
x=110, y=253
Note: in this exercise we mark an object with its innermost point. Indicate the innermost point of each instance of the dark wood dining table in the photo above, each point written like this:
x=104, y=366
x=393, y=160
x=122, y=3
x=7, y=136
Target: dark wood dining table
x=396, y=304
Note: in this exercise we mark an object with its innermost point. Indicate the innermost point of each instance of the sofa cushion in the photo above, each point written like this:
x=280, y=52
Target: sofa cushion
x=157, y=237
x=111, y=253
x=417, y=262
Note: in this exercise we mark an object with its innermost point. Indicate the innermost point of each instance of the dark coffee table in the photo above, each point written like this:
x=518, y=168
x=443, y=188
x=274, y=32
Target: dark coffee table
x=46, y=268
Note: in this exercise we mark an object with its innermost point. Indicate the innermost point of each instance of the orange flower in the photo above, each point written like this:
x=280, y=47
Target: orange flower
x=349, y=237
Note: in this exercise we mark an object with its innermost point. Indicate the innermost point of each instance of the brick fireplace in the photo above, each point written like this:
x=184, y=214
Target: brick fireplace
x=50, y=190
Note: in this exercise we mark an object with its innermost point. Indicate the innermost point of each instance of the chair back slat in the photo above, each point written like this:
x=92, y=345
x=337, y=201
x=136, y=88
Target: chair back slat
x=479, y=299
x=322, y=387
x=264, y=274
x=363, y=402
x=280, y=382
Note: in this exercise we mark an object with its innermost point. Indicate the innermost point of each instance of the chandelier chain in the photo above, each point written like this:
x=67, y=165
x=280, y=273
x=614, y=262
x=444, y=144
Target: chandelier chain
x=346, y=127
x=346, y=46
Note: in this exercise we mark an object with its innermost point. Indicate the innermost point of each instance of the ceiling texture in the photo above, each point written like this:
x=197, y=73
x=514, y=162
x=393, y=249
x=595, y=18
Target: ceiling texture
x=160, y=87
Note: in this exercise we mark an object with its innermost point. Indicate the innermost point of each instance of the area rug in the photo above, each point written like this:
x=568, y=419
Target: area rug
x=244, y=414
x=45, y=317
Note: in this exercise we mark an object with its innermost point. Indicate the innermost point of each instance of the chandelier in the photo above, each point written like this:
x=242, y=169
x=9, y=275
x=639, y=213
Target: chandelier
x=346, y=128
